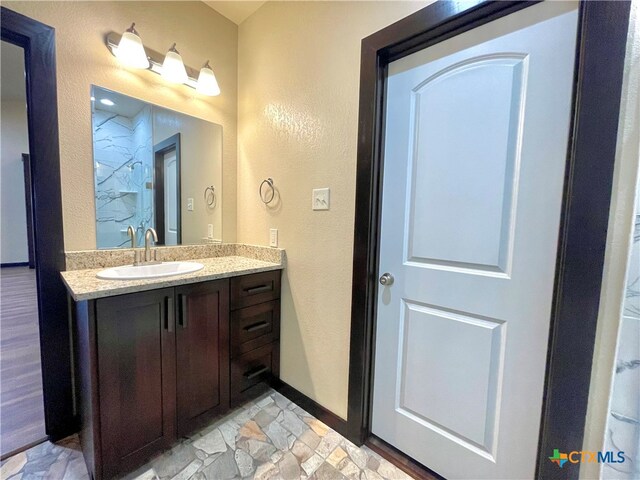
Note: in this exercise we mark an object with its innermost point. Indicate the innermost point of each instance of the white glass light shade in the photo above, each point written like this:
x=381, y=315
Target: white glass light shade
x=173, y=68
x=131, y=52
x=207, y=83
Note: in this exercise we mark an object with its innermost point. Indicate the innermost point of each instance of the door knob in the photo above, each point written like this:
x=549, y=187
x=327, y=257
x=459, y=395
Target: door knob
x=386, y=279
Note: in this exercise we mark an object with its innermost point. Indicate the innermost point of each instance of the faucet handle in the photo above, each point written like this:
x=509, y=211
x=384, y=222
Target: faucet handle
x=132, y=235
x=137, y=257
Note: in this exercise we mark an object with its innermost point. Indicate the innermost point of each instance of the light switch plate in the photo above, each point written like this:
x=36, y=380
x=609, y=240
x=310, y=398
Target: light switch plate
x=320, y=199
x=273, y=237
x=190, y=204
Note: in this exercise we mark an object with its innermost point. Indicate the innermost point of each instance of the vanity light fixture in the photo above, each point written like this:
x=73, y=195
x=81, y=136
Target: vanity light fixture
x=169, y=66
x=173, y=70
x=130, y=50
x=207, y=83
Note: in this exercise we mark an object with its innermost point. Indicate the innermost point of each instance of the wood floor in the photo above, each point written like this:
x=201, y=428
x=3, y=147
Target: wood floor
x=21, y=403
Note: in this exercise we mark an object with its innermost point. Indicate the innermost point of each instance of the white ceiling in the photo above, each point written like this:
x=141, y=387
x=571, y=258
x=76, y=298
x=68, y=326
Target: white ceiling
x=124, y=105
x=12, y=68
x=236, y=11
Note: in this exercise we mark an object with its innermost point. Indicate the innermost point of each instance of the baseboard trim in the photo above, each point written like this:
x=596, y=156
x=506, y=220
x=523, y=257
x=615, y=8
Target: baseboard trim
x=314, y=408
x=400, y=459
x=4, y=456
x=382, y=448
x=15, y=264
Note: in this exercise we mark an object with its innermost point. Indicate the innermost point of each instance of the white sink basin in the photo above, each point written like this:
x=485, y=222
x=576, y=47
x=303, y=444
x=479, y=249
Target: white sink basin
x=164, y=269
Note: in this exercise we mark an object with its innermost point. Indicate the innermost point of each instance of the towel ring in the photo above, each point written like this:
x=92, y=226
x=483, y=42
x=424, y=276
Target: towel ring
x=269, y=183
x=210, y=195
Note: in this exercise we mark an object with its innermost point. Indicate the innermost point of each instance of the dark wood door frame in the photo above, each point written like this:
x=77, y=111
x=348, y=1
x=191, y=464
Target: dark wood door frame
x=38, y=42
x=159, y=151
x=28, y=200
x=602, y=33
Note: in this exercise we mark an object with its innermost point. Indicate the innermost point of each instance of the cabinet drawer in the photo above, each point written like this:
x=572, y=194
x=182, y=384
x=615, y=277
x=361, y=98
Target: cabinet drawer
x=255, y=326
x=253, y=289
x=249, y=371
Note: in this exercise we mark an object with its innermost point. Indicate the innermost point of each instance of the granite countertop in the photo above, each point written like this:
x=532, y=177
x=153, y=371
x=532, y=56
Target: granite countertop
x=85, y=285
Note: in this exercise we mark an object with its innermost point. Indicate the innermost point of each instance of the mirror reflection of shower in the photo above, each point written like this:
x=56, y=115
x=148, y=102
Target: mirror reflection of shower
x=151, y=166
x=122, y=151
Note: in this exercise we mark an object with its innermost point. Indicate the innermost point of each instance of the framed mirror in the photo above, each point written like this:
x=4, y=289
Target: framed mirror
x=154, y=167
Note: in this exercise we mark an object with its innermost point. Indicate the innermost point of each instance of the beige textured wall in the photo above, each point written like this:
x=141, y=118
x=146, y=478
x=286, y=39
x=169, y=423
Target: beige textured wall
x=298, y=77
x=83, y=59
x=13, y=142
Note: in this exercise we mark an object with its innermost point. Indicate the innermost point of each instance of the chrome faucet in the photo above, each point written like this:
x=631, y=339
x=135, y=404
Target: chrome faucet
x=147, y=249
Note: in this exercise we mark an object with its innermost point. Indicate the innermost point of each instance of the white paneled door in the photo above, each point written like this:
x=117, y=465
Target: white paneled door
x=171, y=176
x=475, y=148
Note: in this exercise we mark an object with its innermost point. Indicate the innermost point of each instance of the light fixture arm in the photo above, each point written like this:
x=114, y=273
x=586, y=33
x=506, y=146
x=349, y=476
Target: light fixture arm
x=132, y=29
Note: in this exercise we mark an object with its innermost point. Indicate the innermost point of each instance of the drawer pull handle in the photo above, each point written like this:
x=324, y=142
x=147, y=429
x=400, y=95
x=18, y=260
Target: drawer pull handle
x=254, y=373
x=183, y=311
x=260, y=289
x=169, y=314
x=256, y=326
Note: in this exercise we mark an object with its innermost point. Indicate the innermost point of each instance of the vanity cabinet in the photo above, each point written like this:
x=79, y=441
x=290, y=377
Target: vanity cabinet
x=156, y=365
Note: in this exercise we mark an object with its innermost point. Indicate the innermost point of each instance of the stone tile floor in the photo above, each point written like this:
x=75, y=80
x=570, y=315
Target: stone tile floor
x=269, y=438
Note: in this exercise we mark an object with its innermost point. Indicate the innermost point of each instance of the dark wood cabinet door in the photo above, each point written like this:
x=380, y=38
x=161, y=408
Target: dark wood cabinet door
x=202, y=333
x=136, y=371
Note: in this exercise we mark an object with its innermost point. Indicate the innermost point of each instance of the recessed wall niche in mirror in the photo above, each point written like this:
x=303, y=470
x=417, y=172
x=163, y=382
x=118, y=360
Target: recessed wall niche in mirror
x=154, y=168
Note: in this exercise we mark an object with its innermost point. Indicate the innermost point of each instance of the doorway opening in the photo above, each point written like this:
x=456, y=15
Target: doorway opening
x=37, y=41
x=22, y=420
x=167, y=191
